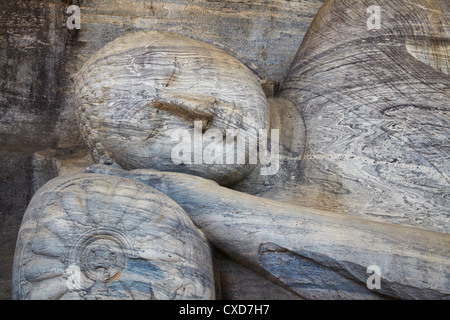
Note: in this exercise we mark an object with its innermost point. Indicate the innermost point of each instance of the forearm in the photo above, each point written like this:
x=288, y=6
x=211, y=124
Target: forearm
x=241, y=225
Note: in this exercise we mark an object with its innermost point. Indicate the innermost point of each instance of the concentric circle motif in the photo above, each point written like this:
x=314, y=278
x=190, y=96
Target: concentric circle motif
x=101, y=254
x=97, y=237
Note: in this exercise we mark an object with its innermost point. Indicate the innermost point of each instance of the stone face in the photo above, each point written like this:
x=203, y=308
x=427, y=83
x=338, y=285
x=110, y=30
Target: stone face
x=140, y=96
x=39, y=55
x=88, y=236
x=363, y=116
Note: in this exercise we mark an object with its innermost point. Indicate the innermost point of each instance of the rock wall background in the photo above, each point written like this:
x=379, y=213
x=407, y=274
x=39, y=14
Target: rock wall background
x=39, y=54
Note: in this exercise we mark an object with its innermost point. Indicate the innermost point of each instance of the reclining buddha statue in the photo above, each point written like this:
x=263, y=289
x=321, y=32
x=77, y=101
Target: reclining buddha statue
x=345, y=167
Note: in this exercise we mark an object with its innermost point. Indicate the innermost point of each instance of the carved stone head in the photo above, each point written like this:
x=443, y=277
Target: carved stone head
x=146, y=93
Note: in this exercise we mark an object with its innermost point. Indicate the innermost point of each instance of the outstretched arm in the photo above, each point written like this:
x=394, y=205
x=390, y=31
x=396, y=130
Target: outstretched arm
x=292, y=243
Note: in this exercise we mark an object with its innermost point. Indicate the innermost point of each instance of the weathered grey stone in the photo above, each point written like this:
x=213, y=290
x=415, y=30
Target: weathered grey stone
x=262, y=233
x=363, y=119
x=376, y=118
x=15, y=193
x=51, y=163
x=137, y=92
x=307, y=176
x=347, y=146
x=267, y=33
x=38, y=55
x=88, y=236
x=239, y=283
